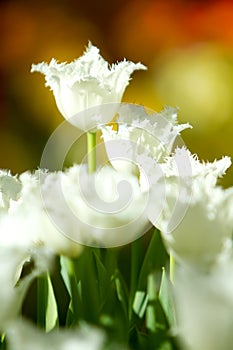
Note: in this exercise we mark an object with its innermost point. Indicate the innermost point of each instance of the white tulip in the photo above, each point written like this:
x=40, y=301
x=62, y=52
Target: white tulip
x=10, y=188
x=27, y=225
x=11, y=261
x=195, y=226
x=140, y=134
x=107, y=209
x=87, y=82
x=210, y=172
x=196, y=218
x=204, y=303
x=25, y=336
x=12, y=295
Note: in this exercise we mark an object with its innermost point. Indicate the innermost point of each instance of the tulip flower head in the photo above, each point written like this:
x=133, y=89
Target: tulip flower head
x=86, y=82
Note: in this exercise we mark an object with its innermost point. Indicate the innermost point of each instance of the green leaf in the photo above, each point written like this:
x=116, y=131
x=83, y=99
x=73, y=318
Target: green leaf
x=60, y=291
x=136, y=252
x=103, y=277
x=87, y=273
x=161, y=340
x=140, y=303
x=155, y=258
x=152, y=296
x=2, y=341
x=166, y=346
x=68, y=274
x=122, y=292
x=64, y=273
x=138, y=340
x=166, y=299
x=42, y=298
x=156, y=318
x=47, y=313
x=51, y=320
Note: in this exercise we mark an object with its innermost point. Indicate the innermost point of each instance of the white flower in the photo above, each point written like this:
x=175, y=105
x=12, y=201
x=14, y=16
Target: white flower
x=86, y=82
x=195, y=226
x=12, y=295
x=204, y=303
x=10, y=188
x=196, y=218
x=205, y=229
x=27, y=225
x=209, y=171
x=139, y=135
x=11, y=261
x=25, y=336
x=107, y=209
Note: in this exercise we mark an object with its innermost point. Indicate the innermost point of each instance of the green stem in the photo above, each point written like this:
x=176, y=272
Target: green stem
x=91, y=153
x=172, y=268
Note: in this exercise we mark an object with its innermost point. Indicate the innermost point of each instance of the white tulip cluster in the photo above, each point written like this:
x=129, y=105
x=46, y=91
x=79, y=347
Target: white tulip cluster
x=147, y=182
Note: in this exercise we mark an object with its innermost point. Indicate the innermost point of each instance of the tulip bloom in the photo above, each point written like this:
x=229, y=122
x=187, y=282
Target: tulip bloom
x=106, y=209
x=86, y=82
x=204, y=303
x=140, y=133
x=18, y=228
x=23, y=335
x=196, y=220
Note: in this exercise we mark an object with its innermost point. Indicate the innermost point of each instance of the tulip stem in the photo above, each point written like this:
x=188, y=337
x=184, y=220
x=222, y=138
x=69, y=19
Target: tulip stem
x=172, y=268
x=91, y=152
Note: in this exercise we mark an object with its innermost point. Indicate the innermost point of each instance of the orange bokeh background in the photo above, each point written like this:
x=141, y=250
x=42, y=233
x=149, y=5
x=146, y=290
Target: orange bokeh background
x=187, y=46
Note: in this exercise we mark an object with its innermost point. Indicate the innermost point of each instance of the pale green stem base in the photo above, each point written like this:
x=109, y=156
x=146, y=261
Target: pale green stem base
x=91, y=153
x=172, y=268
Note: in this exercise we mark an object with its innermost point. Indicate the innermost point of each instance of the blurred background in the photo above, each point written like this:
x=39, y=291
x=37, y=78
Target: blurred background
x=187, y=46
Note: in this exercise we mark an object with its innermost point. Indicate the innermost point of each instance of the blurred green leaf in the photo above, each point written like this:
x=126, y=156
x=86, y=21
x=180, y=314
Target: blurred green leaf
x=42, y=298
x=136, y=256
x=166, y=299
x=103, y=278
x=87, y=273
x=137, y=340
x=166, y=346
x=161, y=340
x=140, y=303
x=69, y=277
x=151, y=305
x=51, y=310
x=65, y=273
x=2, y=342
x=155, y=258
x=47, y=312
x=122, y=293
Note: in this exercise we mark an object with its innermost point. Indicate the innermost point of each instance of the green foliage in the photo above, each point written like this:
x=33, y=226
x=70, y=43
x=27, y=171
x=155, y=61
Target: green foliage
x=2, y=342
x=47, y=314
x=125, y=291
